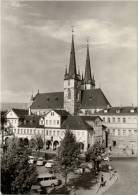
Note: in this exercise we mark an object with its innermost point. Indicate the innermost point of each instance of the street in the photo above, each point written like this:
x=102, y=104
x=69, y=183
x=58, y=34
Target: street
x=127, y=182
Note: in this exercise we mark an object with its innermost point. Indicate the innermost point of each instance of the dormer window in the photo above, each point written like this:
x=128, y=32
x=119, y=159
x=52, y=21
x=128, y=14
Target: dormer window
x=118, y=111
x=132, y=110
x=105, y=111
x=41, y=121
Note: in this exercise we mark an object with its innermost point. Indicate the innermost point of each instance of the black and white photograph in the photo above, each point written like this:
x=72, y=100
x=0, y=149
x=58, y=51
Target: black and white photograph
x=68, y=103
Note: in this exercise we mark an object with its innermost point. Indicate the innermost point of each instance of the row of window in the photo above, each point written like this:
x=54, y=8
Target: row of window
x=13, y=121
x=52, y=122
x=47, y=132
x=27, y=131
x=124, y=132
x=113, y=120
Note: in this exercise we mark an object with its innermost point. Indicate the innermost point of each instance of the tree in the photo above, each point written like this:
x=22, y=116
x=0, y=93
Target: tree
x=26, y=142
x=39, y=142
x=17, y=176
x=68, y=155
x=94, y=154
x=32, y=143
x=2, y=124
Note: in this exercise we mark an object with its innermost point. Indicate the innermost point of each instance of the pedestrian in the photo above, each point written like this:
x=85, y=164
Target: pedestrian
x=102, y=179
x=110, y=171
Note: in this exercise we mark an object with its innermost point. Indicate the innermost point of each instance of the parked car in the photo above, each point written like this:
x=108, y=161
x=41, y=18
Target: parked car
x=46, y=179
x=106, y=158
x=78, y=171
x=31, y=159
x=40, y=162
x=49, y=163
x=35, y=189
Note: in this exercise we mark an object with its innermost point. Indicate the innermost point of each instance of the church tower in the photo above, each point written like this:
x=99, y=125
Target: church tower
x=72, y=84
x=88, y=81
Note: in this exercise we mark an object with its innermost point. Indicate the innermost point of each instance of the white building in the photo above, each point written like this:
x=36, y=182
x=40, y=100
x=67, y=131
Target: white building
x=15, y=116
x=52, y=127
x=121, y=123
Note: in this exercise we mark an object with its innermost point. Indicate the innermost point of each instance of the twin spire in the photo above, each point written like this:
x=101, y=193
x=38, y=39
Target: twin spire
x=72, y=73
x=72, y=64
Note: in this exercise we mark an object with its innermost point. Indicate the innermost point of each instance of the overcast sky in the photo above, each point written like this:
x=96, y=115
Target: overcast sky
x=36, y=39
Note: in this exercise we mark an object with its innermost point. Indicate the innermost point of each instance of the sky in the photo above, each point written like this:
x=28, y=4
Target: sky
x=36, y=41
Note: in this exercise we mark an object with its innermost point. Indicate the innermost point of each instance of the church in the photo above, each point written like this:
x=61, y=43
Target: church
x=80, y=95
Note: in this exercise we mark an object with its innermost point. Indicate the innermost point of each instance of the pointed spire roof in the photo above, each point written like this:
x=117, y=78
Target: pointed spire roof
x=66, y=71
x=72, y=64
x=88, y=76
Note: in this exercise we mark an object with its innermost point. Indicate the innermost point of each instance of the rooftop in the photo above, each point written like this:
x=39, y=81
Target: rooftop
x=128, y=110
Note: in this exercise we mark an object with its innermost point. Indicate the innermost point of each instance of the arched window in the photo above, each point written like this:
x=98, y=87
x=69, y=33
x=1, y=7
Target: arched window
x=69, y=94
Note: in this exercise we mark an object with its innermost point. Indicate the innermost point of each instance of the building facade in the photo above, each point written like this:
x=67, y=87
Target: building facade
x=121, y=123
x=52, y=126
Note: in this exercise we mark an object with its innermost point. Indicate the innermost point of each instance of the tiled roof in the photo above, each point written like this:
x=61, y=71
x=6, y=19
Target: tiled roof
x=119, y=111
x=20, y=112
x=53, y=100
x=94, y=98
x=31, y=122
x=68, y=122
x=78, y=122
x=62, y=112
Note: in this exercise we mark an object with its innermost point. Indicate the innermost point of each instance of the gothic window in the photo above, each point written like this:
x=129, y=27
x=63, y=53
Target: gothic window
x=69, y=94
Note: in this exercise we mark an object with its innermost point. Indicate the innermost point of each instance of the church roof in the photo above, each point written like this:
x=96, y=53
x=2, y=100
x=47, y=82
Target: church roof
x=53, y=100
x=88, y=77
x=72, y=64
x=93, y=98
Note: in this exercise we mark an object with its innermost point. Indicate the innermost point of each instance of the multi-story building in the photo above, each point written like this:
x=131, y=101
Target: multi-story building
x=52, y=127
x=15, y=116
x=121, y=123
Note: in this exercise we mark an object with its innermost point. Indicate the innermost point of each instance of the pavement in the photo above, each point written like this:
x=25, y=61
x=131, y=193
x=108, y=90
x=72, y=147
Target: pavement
x=96, y=189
